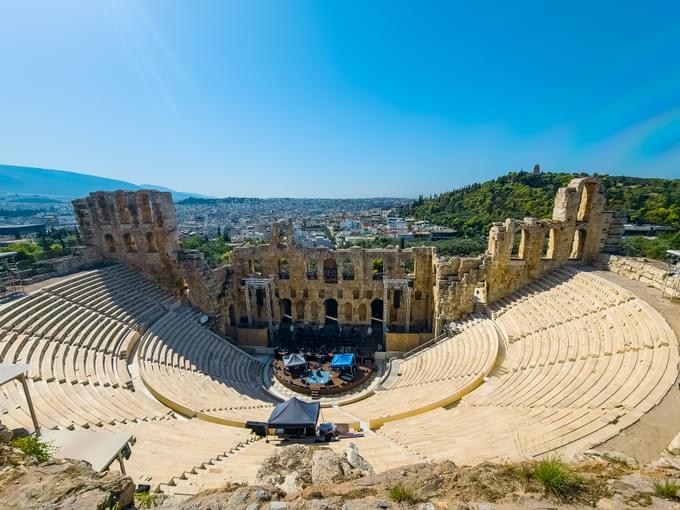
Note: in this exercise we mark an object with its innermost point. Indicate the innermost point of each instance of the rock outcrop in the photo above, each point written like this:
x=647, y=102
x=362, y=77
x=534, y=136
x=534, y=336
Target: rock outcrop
x=58, y=484
x=295, y=467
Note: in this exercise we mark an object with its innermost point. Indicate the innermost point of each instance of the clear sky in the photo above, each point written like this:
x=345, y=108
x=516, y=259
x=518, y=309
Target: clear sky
x=338, y=98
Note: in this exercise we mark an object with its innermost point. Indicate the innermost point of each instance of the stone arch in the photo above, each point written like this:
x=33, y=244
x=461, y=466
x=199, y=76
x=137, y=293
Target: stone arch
x=377, y=268
x=312, y=269
x=151, y=244
x=578, y=244
x=330, y=307
x=361, y=312
x=377, y=315
x=347, y=312
x=314, y=311
x=300, y=311
x=520, y=244
x=409, y=266
x=586, y=204
x=130, y=243
x=110, y=243
x=284, y=273
x=550, y=240
x=286, y=311
x=330, y=271
x=347, y=269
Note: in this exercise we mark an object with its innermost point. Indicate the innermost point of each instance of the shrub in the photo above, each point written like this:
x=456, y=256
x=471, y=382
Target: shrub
x=556, y=478
x=666, y=489
x=401, y=494
x=147, y=499
x=42, y=451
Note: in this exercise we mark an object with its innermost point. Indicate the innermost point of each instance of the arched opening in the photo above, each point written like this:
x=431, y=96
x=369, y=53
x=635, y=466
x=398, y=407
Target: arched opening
x=549, y=244
x=409, y=267
x=300, y=311
x=578, y=245
x=151, y=244
x=283, y=269
x=377, y=269
x=396, y=299
x=347, y=269
x=312, y=269
x=255, y=266
x=377, y=316
x=347, y=312
x=520, y=244
x=331, y=312
x=586, y=203
x=314, y=311
x=286, y=311
x=110, y=243
x=330, y=271
x=361, y=312
x=232, y=315
x=130, y=243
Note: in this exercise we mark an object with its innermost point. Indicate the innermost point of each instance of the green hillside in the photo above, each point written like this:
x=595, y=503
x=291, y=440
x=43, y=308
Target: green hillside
x=471, y=209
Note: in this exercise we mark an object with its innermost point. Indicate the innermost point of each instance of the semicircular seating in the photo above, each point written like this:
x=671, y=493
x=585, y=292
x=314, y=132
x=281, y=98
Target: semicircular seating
x=585, y=359
x=198, y=373
x=437, y=376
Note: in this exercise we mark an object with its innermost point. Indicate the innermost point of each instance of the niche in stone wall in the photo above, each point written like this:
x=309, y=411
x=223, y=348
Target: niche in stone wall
x=347, y=312
x=110, y=243
x=361, y=312
x=130, y=243
x=151, y=244
x=300, y=311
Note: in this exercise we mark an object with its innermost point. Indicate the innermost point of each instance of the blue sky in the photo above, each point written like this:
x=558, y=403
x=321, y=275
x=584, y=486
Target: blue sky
x=338, y=99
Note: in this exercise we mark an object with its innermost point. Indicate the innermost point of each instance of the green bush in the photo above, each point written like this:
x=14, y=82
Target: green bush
x=556, y=478
x=147, y=499
x=666, y=489
x=400, y=494
x=42, y=451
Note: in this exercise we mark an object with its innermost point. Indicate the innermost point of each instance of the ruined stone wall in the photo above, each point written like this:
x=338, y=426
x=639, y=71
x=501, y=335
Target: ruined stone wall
x=139, y=228
x=520, y=251
x=652, y=273
x=304, y=279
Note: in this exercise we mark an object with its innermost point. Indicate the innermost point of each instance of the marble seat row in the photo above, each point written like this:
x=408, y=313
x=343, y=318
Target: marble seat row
x=198, y=372
x=77, y=355
x=437, y=376
x=562, y=387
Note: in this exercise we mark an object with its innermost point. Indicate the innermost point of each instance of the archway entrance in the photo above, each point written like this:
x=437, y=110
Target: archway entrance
x=377, y=317
x=331, y=312
x=286, y=311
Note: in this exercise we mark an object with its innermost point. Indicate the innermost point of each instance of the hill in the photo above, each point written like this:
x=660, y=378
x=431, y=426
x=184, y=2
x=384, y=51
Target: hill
x=471, y=209
x=60, y=183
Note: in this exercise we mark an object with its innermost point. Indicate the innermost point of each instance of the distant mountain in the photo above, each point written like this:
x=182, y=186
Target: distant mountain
x=26, y=180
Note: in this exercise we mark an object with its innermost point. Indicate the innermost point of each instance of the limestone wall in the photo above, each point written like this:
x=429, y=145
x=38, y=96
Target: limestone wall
x=520, y=251
x=650, y=272
x=135, y=227
x=410, y=289
x=304, y=280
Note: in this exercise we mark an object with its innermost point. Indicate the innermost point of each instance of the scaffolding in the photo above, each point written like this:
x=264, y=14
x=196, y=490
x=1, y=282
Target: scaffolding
x=10, y=275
